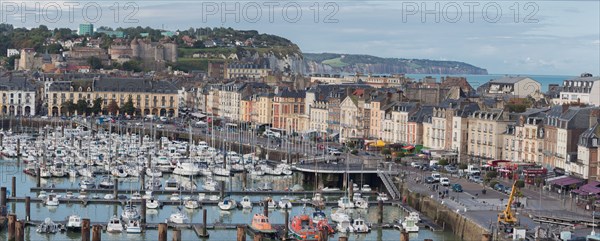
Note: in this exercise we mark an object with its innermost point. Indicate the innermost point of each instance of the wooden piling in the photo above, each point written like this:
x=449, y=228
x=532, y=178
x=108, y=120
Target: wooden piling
x=287, y=222
x=203, y=232
x=115, y=189
x=427, y=239
x=323, y=235
x=3, y=196
x=162, y=232
x=38, y=177
x=176, y=234
x=18, y=147
x=143, y=212
x=244, y=179
x=27, y=208
x=380, y=212
x=258, y=237
x=12, y=218
x=85, y=229
x=19, y=231
x=241, y=233
x=266, y=208
x=143, y=179
x=13, y=193
x=97, y=232
x=403, y=235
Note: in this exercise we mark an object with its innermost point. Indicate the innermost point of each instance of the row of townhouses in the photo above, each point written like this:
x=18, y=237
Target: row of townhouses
x=561, y=133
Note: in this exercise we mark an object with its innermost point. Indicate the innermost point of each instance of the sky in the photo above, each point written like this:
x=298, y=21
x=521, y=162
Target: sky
x=505, y=37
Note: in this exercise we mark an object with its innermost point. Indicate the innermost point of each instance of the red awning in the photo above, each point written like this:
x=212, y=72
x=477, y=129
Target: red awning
x=408, y=147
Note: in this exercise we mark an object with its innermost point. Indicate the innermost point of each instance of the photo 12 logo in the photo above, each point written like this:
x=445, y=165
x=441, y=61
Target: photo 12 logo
x=453, y=12
x=53, y=12
x=253, y=12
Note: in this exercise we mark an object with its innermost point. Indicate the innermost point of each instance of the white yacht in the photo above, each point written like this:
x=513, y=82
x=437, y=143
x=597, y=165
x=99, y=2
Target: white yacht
x=344, y=203
x=360, y=226
x=410, y=223
x=133, y=226
x=382, y=197
x=74, y=222
x=114, y=225
x=130, y=213
x=345, y=226
x=227, y=204
x=52, y=200
x=339, y=216
x=285, y=203
x=366, y=188
x=152, y=203
x=178, y=217
x=210, y=185
x=186, y=169
x=172, y=184
x=246, y=203
x=191, y=204
x=361, y=203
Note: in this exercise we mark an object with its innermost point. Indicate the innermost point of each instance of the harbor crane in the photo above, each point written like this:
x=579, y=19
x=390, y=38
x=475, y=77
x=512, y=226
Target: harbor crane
x=507, y=217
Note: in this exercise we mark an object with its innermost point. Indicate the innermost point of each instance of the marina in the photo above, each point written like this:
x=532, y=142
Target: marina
x=104, y=191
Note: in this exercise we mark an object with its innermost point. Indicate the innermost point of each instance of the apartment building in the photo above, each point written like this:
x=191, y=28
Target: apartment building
x=18, y=96
x=484, y=136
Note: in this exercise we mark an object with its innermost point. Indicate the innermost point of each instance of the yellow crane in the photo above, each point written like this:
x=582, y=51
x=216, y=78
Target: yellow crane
x=508, y=217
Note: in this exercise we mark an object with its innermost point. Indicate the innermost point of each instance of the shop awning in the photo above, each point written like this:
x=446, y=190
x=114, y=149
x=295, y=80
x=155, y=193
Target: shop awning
x=588, y=189
x=566, y=181
x=408, y=147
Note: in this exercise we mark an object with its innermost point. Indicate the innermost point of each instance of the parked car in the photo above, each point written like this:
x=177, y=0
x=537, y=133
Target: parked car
x=436, y=176
x=159, y=126
x=445, y=181
x=475, y=178
x=429, y=180
x=457, y=187
x=499, y=187
x=451, y=169
x=415, y=164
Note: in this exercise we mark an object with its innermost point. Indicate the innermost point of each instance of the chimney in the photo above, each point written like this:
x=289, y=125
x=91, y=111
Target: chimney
x=594, y=117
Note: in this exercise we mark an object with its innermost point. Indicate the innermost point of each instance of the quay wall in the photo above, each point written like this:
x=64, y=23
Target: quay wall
x=461, y=226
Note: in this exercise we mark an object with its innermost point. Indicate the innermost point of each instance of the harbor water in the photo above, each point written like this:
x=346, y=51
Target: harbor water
x=100, y=213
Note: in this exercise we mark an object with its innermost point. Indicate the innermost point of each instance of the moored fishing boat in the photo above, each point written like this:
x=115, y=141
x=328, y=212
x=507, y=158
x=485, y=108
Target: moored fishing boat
x=261, y=224
x=302, y=227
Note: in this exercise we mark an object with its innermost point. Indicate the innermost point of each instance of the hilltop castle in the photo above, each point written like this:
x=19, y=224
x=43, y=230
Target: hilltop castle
x=153, y=55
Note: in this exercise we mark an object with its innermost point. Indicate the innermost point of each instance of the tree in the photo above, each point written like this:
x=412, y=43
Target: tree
x=68, y=106
x=520, y=183
x=96, y=106
x=386, y=151
x=128, y=107
x=443, y=162
x=132, y=66
x=112, y=107
x=491, y=174
x=462, y=166
x=95, y=62
x=83, y=107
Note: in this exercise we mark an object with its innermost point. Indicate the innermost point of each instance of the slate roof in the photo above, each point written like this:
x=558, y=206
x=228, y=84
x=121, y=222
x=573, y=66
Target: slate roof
x=16, y=83
x=508, y=80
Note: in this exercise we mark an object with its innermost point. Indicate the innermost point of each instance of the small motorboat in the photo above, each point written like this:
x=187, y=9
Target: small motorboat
x=69, y=195
x=49, y=227
x=318, y=215
x=114, y=225
x=178, y=217
x=130, y=212
x=344, y=226
x=271, y=204
x=339, y=216
x=361, y=203
x=87, y=183
x=175, y=197
x=285, y=203
x=344, y=203
x=42, y=194
x=302, y=227
x=152, y=203
x=133, y=226
x=136, y=196
x=74, y=222
x=261, y=224
x=109, y=196
x=330, y=189
x=172, y=184
x=246, y=203
x=210, y=185
x=410, y=223
x=360, y=226
x=107, y=183
x=366, y=188
x=51, y=200
x=201, y=197
x=382, y=197
x=227, y=204
x=191, y=204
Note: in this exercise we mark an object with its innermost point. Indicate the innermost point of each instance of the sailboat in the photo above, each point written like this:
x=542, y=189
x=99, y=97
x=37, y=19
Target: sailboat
x=178, y=217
